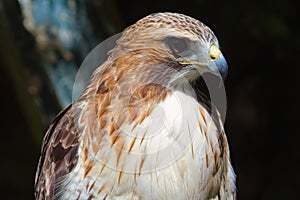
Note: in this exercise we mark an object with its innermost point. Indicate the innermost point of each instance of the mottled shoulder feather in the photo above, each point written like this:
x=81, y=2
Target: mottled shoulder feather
x=58, y=154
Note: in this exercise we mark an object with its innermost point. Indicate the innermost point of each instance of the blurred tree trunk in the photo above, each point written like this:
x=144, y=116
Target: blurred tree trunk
x=45, y=42
x=38, y=64
x=13, y=64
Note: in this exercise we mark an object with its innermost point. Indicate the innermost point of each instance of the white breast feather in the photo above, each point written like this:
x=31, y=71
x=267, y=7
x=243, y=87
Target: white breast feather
x=173, y=153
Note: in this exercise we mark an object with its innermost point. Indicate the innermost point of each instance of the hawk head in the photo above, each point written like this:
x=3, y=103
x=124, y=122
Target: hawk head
x=167, y=48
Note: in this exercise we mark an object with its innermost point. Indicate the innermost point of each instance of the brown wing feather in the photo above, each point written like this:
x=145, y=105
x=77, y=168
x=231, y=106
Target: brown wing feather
x=59, y=153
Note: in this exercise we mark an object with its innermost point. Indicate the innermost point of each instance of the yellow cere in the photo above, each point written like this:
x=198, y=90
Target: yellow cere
x=214, y=53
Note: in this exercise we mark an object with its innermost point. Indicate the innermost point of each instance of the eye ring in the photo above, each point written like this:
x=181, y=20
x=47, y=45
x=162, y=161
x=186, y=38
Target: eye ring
x=177, y=45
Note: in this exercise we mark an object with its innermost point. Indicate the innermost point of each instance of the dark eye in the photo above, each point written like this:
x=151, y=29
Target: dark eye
x=176, y=45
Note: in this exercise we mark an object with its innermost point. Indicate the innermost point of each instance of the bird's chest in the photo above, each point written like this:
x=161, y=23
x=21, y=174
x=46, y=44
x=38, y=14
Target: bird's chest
x=170, y=155
x=182, y=153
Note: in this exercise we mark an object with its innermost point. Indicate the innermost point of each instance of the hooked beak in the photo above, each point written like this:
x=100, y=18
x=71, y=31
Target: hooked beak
x=217, y=65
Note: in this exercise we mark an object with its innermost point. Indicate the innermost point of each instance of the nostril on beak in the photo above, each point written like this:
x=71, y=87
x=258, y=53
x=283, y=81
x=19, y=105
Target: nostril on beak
x=214, y=53
x=213, y=57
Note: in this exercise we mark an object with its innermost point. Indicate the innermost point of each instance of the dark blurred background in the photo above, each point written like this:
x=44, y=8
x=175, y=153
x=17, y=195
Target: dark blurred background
x=43, y=42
